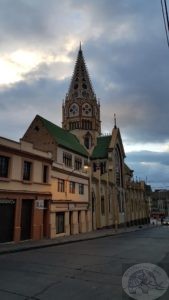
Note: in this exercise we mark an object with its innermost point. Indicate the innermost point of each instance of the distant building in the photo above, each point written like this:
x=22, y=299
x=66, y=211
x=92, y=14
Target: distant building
x=88, y=186
x=160, y=203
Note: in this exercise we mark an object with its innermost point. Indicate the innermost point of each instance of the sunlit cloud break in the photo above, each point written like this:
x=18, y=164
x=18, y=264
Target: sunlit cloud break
x=16, y=64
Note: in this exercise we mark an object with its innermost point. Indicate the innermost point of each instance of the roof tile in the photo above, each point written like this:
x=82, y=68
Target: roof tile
x=101, y=149
x=64, y=138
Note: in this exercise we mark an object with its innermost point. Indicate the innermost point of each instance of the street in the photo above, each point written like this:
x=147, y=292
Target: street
x=83, y=270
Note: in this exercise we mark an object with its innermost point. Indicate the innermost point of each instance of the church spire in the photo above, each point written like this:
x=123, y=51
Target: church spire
x=81, y=110
x=81, y=86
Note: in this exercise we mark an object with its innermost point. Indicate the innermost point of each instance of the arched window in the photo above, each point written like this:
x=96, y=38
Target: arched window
x=88, y=140
x=118, y=167
x=119, y=179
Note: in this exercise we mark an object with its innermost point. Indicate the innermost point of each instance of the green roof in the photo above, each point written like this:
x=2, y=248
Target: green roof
x=101, y=149
x=64, y=138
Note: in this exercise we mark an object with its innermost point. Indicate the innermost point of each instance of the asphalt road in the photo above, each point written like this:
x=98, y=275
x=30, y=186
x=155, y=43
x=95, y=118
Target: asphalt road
x=83, y=270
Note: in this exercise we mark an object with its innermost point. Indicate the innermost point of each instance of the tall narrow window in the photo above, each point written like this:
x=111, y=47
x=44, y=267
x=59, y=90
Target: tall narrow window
x=27, y=168
x=72, y=187
x=81, y=188
x=78, y=163
x=67, y=159
x=109, y=199
x=93, y=201
x=88, y=140
x=118, y=168
x=61, y=185
x=102, y=206
x=103, y=167
x=4, y=166
x=45, y=173
x=94, y=167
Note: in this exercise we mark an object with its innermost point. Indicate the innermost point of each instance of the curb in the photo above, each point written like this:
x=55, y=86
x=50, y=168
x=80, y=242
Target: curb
x=76, y=240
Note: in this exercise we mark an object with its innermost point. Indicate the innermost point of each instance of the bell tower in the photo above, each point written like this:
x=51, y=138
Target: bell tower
x=81, y=109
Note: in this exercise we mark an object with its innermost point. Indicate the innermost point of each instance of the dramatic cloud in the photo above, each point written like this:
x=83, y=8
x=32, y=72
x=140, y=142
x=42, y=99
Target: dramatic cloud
x=126, y=53
x=150, y=166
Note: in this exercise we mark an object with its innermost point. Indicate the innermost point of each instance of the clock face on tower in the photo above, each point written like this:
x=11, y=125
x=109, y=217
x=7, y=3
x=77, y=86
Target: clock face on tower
x=73, y=110
x=86, y=110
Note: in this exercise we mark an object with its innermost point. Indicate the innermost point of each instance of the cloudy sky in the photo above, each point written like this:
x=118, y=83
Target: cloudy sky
x=126, y=52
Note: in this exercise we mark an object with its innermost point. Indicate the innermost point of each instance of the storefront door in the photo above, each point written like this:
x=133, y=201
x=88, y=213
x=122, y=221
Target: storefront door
x=7, y=216
x=26, y=219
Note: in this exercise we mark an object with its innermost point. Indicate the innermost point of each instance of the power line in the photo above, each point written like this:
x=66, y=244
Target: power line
x=166, y=13
x=165, y=19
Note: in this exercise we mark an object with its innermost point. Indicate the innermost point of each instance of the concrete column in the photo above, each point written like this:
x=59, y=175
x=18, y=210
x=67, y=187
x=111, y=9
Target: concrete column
x=53, y=225
x=17, y=226
x=37, y=223
x=106, y=204
x=98, y=205
x=74, y=222
x=89, y=220
x=116, y=209
x=67, y=223
x=82, y=221
x=94, y=220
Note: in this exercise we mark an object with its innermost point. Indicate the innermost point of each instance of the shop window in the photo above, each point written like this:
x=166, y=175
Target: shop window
x=4, y=166
x=81, y=188
x=60, y=220
x=61, y=185
x=27, y=170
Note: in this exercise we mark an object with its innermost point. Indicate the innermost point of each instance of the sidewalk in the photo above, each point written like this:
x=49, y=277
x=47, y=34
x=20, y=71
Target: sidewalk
x=29, y=245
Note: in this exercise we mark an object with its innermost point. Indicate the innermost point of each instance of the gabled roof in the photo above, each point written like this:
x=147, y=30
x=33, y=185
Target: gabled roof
x=105, y=143
x=63, y=137
x=81, y=85
x=116, y=138
x=101, y=149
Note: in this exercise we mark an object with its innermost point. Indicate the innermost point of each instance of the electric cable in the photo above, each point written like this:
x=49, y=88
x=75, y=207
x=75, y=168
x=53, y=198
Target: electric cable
x=166, y=22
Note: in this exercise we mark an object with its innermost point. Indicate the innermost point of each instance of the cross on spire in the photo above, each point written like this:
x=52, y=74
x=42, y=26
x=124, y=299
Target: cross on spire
x=115, y=121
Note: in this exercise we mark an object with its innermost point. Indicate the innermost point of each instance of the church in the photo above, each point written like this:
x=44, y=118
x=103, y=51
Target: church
x=84, y=183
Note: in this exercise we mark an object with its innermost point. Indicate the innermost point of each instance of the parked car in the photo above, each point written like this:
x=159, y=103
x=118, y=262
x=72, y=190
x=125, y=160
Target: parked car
x=165, y=221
